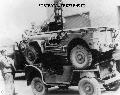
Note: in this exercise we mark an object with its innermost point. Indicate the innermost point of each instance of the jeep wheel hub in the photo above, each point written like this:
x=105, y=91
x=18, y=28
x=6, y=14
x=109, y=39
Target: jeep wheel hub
x=88, y=89
x=38, y=86
x=80, y=57
x=31, y=56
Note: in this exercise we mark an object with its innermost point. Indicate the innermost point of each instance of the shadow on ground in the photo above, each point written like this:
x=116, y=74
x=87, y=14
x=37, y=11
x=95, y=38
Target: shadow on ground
x=20, y=78
x=57, y=91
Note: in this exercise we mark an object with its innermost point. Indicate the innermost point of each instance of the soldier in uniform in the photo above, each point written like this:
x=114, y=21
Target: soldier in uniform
x=2, y=83
x=6, y=65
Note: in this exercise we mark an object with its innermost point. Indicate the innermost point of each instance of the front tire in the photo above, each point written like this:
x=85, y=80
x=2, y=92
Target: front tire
x=31, y=55
x=38, y=86
x=89, y=86
x=80, y=57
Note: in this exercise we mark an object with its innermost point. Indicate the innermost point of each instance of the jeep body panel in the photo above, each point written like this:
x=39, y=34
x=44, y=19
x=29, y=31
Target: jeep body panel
x=32, y=71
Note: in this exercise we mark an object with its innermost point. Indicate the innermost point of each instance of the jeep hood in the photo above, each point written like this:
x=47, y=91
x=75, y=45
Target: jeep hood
x=43, y=36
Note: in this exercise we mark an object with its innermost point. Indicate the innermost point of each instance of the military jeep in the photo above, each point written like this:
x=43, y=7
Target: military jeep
x=74, y=46
x=74, y=57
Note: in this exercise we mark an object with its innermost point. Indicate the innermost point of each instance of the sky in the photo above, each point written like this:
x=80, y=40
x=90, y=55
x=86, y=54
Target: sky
x=16, y=16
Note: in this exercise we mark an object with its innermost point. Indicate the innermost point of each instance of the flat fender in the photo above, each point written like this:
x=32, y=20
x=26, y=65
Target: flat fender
x=31, y=72
x=41, y=44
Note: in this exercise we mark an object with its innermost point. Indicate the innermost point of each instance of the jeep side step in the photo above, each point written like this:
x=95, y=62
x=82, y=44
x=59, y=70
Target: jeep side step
x=63, y=83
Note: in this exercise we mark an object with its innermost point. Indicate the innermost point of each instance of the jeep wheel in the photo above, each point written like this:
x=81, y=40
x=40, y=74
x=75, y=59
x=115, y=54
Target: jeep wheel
x=31, y=55
x=89, y=86
x=113, y=87
x=38, y=86
x=80, y=57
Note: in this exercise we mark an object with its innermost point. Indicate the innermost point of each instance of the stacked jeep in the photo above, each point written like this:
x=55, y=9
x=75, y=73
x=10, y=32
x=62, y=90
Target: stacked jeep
x=76, y=46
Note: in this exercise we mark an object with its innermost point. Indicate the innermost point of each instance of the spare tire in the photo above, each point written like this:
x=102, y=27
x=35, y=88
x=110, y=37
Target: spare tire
x=80, y=57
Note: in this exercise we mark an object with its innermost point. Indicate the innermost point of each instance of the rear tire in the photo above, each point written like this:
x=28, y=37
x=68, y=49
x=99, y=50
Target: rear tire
x=80, y=57
x=89, y=86
x=38, y=86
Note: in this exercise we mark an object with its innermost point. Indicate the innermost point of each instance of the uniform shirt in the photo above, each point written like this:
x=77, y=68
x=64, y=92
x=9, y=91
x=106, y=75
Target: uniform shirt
x=5, y=63
x=2, y=84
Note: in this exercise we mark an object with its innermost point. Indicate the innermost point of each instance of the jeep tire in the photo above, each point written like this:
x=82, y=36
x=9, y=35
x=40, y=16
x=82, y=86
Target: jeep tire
x=38, y=86
x=89, y=86
x=80, y=57
x=31, y=55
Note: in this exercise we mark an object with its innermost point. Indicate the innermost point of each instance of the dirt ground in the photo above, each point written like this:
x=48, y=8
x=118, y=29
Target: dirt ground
x=22, y=89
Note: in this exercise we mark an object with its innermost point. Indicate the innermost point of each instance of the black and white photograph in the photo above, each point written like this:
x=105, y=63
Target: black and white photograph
x=59, y=47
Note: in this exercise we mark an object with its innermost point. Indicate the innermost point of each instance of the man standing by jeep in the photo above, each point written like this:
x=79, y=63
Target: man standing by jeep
x=2, y=83
x=6, y=64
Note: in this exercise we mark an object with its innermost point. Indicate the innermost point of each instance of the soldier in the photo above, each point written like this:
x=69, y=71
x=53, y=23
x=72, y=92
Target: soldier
x=6, y=65
x=2, y=83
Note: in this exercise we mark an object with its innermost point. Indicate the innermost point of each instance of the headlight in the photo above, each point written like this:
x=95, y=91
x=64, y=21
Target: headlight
x=22, y=47
x=116, y=55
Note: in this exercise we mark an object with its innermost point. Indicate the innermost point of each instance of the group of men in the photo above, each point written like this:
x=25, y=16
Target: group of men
x=6, y=74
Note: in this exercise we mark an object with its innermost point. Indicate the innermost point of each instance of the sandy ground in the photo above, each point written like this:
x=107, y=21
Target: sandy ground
x=22, y=89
